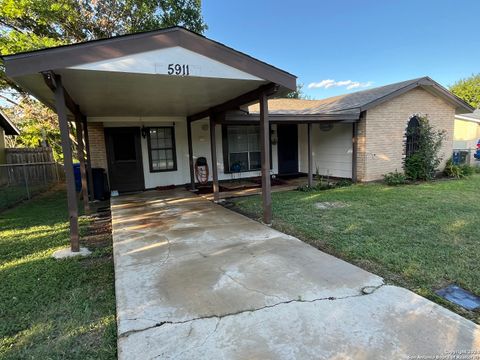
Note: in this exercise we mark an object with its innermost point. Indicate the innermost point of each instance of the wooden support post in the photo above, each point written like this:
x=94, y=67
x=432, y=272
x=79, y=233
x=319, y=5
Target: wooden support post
x=310, y=162
x=89, y=160
x=213, y=147
x=265, y=159
x=354, y=151
x=190, y=155
x=61, y=108
x=81, y=158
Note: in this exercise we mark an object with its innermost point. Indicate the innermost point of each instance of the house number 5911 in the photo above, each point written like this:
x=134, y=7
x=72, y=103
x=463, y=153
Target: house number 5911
x=178, y=69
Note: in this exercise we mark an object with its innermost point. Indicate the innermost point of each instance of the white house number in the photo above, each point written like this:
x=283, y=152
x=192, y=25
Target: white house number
x=178, y=69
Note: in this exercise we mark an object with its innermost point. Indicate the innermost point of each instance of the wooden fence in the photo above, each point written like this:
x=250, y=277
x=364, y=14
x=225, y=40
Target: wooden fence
x=28, y=155
x=39, y=167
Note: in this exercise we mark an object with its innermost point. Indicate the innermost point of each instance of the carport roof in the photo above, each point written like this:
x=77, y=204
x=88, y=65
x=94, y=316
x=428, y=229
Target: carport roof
x=126, y=75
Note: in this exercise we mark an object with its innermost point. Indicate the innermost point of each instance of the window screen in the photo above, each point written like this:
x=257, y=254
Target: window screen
x=161, y=149
x=243, y=148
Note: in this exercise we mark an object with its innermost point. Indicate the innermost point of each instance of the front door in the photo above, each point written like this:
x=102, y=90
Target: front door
x=124, y=154
x=287, y=149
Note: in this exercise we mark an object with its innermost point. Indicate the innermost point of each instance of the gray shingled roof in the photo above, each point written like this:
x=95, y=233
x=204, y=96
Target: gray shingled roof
x=474, y=115
x=358, y=101
x=361, y=99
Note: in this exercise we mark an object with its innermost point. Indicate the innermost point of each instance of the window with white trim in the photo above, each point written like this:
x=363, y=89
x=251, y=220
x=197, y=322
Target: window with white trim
x=161, y=149
x=243, y=148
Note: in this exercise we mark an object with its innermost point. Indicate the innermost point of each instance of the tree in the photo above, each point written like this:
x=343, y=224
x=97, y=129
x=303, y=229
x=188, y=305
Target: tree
x=468, y=89
x=35, y=24
x=37, y=123
x=298, y=94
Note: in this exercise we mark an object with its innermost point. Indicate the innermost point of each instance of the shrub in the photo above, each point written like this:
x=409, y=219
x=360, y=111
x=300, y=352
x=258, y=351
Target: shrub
x=458, y=171
x=423, y=163
x=467, y=170
x=394, y=178
x=305, y=188
x=343, y=183
x=452, y=170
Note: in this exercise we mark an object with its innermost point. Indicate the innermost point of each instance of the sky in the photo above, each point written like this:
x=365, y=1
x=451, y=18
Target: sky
x=340, y=46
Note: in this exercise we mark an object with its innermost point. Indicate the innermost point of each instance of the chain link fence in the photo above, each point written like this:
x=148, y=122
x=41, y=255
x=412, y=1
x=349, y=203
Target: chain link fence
x=20, y=182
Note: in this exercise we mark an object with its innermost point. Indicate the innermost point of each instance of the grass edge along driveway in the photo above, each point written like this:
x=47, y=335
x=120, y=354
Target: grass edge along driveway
x=422, y=237
x=48, y=308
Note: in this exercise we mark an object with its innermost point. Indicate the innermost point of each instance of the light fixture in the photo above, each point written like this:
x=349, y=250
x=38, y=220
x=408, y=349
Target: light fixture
x=144, y=131
x=326, y=126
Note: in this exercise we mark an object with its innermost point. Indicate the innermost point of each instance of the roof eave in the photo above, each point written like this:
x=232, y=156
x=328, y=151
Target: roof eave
x=427, y=84
x=296, y=118
x=7, y=125
x=61, y=57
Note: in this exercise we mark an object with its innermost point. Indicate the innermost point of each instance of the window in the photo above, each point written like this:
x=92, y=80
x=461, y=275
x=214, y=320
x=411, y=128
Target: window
x=242, y=148
x=412, y=136
x=124, y=147
x=161, y=149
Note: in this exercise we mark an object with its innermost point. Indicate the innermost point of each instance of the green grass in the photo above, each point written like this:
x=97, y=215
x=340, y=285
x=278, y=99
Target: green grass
x=52, y=309
x=418, y=236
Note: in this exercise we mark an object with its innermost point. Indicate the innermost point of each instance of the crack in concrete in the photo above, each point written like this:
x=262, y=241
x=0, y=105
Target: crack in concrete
x=371, y=290
x=245, y=286
x=168, y=252
x=197, y=346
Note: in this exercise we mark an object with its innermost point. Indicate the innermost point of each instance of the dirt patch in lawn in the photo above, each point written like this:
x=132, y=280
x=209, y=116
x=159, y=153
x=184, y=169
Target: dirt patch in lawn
x=326, y=205
x=99, y=230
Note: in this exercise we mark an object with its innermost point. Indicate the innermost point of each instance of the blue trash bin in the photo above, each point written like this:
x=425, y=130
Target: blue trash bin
x=78, y=177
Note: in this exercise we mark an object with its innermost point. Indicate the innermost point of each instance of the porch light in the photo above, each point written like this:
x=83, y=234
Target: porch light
x=326, y=127
x=144, y=131
x=273, y=137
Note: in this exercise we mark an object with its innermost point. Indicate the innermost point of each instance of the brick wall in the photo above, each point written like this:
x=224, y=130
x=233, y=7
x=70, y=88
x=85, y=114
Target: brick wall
x=385, y=126
x=98, y=152
x=361, y=147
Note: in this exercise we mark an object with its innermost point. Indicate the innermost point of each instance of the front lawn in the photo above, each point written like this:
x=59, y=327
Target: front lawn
x=422, y=236
x=52, y=309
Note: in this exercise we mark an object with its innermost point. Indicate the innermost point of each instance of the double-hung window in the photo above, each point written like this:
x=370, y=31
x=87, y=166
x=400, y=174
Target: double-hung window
x=161, y=149
x=242, y=148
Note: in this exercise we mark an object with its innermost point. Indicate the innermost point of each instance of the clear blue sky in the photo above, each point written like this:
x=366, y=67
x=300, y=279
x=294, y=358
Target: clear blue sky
x=362, y=43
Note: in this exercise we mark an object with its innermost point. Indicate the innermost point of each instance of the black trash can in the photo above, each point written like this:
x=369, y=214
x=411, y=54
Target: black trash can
x=101, y=189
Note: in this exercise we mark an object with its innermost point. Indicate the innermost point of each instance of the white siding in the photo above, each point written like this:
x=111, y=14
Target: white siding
x=157, y=62
x=201, y=147
x=332, y=150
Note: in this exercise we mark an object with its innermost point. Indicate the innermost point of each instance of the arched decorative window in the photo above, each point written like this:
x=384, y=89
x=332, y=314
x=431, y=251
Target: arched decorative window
x=412, y=136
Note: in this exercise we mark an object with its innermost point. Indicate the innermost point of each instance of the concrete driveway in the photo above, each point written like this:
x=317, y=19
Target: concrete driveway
x=196, y=281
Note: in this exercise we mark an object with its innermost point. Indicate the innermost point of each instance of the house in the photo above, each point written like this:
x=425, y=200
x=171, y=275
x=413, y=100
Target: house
x=466, y=136
x=363, y=135
x=358, y=136
x=7, y=127
x=149, y=104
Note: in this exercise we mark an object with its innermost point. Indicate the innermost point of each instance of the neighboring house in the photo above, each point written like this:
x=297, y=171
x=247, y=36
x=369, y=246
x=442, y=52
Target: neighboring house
x=467, y=135
x=6, y=128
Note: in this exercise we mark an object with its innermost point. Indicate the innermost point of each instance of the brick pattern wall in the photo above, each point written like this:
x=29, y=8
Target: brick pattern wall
x=361, y=147
x=98, y=152
x=385, y=126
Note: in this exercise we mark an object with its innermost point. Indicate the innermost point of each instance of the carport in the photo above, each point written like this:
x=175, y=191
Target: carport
x=168, y=72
